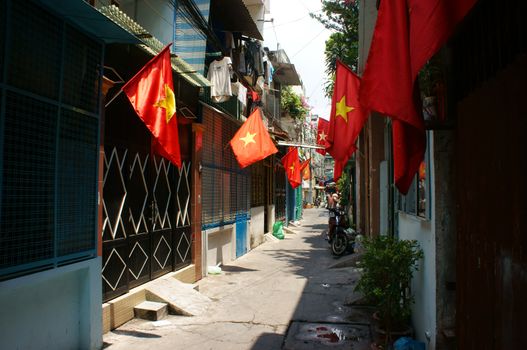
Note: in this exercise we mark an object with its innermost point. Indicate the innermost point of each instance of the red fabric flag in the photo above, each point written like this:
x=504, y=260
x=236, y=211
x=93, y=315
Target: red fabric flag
x=338, y=168
x=306, y=175
x=432, y=22
x=347, y=117
x=252, y=142
x=305, y=170
x=407, y=33
x=151, y=93
x=322, y=134
x=292, y=167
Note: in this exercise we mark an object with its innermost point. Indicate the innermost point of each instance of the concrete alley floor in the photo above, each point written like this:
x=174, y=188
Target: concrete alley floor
x=257, y=298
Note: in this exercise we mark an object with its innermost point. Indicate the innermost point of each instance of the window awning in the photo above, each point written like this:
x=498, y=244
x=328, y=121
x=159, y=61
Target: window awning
x=90, y=20
x=154, y=46
x=235, y=17
x=285, y=74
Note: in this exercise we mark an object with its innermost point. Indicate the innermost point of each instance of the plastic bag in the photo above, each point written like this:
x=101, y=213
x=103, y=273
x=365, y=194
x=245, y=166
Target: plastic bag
x=278, y=230
x=406, y=343
x=214, y=270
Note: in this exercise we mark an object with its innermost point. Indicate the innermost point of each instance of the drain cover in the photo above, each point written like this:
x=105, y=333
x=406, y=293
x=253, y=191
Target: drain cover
x=307, y=336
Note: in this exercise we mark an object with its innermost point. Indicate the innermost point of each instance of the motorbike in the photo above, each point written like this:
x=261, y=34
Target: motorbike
x=341, y=237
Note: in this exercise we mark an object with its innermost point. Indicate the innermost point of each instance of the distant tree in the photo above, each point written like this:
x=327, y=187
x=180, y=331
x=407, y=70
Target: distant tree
x=342, y=17
x=292, y=104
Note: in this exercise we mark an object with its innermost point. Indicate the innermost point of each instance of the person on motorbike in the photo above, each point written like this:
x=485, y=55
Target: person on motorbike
x=333, y=203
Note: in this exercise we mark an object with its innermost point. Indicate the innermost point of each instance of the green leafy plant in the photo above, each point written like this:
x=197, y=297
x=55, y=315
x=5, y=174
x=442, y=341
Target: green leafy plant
x=430, y=76
x=344, y=186
x=292, y=104
x=388, y=266
x=342, y=18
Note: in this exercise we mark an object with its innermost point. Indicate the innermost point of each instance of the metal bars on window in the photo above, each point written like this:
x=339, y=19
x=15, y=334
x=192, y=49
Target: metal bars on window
x=225, y=187
x=49, y=130
x=417, y=200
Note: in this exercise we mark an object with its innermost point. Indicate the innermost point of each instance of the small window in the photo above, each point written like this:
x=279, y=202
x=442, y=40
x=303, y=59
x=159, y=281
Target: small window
x=417, y=200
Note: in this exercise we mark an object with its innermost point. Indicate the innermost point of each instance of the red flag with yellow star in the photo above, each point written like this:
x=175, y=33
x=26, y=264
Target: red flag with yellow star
x=291, y=164
x=347, y=117
x=406, y=35
x=151, y=93
x=305, y=170
x=252, y=142
x=322, y=134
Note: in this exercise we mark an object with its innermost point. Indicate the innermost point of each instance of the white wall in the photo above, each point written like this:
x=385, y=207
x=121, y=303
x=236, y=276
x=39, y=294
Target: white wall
x=54, y=309
x=256, y=227
x=220, y=245
x=271, y=217
x=424, y=281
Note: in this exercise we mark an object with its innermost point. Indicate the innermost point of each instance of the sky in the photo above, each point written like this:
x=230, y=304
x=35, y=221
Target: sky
x=303, y=39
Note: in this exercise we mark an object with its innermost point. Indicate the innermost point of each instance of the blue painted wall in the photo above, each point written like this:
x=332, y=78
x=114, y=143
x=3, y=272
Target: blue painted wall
x=241, y=234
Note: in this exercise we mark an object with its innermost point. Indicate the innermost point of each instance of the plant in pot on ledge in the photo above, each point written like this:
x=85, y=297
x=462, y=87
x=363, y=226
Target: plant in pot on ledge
x=432, y=86
x=388, y=266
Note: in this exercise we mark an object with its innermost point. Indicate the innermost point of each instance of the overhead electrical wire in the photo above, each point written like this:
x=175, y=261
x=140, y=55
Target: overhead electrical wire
x=309, y=42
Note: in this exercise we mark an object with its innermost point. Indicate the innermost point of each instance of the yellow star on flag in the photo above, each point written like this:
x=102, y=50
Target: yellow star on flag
x=342, y=109
x=248, y=138
x=168, y=103
x=292, y=167
x=322, y=136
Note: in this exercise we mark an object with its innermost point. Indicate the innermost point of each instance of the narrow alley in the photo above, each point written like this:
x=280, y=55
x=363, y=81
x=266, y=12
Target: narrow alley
x=258, y=296
x=169, y=169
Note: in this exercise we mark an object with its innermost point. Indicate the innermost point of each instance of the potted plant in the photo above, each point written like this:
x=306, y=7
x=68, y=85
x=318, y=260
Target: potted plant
x=431, y=86
x=388, y=266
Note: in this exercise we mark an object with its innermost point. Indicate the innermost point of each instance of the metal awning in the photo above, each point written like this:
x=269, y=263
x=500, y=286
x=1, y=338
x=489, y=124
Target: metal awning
x=89, y=19
x=286, y=74
x=153, y=46
x=235, y=17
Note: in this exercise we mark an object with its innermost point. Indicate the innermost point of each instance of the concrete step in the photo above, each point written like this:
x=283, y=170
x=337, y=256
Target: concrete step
x=289, y=230
x=182, y=298
x=150, y=310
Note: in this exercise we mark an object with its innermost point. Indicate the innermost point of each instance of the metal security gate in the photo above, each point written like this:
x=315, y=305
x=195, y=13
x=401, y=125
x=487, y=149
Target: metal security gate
x=146, y=213
x=280, y=191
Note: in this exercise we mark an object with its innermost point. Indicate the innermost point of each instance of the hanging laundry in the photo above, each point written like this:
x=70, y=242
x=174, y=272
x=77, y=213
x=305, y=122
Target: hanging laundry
x=219, y=75
x=240, y=90
x=254, y=58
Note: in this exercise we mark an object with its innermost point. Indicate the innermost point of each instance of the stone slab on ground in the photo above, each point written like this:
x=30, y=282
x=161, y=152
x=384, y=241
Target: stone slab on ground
x=181, y=298
x=270, y=238
x=150, y=310
x=289, y=230
x=336, y=336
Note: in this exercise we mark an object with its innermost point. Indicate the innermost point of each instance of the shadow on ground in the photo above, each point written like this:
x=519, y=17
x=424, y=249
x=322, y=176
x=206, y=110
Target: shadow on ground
x=231, y=268
x=136, y=334
x=326, y=298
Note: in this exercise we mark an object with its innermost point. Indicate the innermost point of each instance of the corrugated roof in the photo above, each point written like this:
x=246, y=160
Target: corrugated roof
x=90, y=20
x=153, y=45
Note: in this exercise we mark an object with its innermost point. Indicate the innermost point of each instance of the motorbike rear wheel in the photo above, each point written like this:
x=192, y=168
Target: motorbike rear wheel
x=339, y=244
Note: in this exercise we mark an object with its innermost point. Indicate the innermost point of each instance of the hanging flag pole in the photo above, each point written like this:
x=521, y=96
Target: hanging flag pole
x=113, y=98
x=296, y=144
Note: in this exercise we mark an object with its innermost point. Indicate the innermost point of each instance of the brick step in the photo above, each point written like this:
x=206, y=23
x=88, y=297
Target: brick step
x=151, y=310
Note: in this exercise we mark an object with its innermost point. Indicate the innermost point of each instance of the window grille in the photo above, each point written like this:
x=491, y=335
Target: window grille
x=280, y=187
x=257, y=184
x=480, y=50
x=225, y=187
x=3, y=24
x=49, y=130
x=417, y=200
